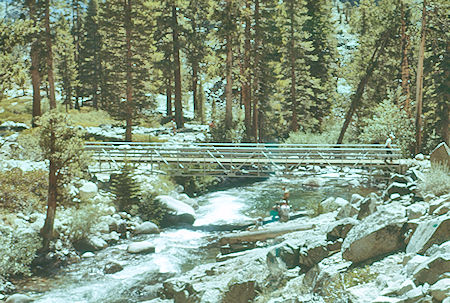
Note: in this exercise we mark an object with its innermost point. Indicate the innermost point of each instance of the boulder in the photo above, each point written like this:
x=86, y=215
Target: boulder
x=90, y=244
x=368, y=206
x=179, y=212
x=401, y=178
x=332, y=204
x=385, y=299
x=363, y=293
x=314, y=181
x=443, y=209
x=416, y=174
x=18, y=298
x=438, y=202
x=356, y=199
x=441, y=289
x=419, y=157
x=340, y=229
x=146, y=228
x=434, y=231
x=413, y=263
x=414, y=295
x=112, y=267
x=88, y=190
x=311, y=254
x=285, y=253
x=431, y=271
x=381, y=233
x=416, y=210
x=241, y=292
x=441, y=155
x=142, y=247
x=399, y=188
x=347, y=211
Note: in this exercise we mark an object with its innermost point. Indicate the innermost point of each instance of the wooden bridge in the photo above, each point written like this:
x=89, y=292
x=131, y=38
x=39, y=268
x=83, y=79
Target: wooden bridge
x=239, y=160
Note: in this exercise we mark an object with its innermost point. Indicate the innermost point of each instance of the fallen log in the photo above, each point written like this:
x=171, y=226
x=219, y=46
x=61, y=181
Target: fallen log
x=263, y=234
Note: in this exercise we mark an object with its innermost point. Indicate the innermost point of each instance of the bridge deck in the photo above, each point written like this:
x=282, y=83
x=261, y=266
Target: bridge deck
x=241, y=159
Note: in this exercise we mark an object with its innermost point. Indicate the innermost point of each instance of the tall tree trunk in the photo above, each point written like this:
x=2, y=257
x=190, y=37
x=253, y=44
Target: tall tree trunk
x=356, y=98
x=229, y=85
x=76, y=41
x=246, y=78
x=176, y=58
x=257, y=80
x=47, y=229
x=405, y=65
x=36, y=81
x=169, y=111
x=419, y=83
x=294, y=120
x=129, y=90
x=49, y=55
x=195, y=88
x=201, y=103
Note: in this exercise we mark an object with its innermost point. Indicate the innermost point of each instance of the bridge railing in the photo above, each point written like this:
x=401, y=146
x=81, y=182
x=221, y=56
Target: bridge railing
x=225, y=150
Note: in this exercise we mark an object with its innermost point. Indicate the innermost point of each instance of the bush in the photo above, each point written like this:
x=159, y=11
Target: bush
x=17, y=251
x=23, y=191
x=151, y=209
x=329, y=135
x=88, y=116
x=29, y=148
x=82, y=219
x=437, y=180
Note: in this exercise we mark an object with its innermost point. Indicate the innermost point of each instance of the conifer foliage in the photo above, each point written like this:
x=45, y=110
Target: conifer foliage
x=125, y=189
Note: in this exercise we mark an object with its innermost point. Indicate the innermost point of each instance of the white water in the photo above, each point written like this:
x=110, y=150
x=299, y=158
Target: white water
x=177, y=250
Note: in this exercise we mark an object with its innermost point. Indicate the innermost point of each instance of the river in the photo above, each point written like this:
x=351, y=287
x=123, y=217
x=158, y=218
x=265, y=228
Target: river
x=177, y=250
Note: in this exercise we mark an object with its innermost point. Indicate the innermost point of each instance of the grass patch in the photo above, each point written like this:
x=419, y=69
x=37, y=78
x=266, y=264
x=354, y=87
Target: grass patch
x=437, y=180
x=16, y=109
x=88, y=117
x=147, y=138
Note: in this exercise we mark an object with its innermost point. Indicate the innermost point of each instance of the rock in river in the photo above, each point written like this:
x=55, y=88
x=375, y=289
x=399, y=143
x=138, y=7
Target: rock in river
x=141, y=248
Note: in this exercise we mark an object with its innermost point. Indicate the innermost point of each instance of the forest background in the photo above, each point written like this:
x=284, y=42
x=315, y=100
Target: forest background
x=301, y=71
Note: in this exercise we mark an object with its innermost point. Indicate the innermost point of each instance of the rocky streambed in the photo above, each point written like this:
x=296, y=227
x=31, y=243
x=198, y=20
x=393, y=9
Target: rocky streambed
x=390, y=246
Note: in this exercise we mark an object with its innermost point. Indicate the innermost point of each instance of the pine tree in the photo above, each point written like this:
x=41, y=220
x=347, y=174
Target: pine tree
x=67, y=72
x=125, y=189
x=126, y=30
x=90, y=56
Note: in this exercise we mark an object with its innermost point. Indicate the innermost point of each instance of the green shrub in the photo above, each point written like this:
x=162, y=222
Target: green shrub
x=82, y=219
x=87, y=116
x=23, y=191
x=437, y=180
x=28, y=141
x=17, y=251
x=151, y=209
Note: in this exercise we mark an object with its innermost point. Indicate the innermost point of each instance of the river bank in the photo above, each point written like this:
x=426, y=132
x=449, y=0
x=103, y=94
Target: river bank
x=302, y=266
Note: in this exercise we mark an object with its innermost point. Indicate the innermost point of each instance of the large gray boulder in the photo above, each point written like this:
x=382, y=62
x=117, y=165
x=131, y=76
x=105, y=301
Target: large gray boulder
x=331, y=204
x=441, y=155
x=92, y=243
x=142, y=247
x=348, y=210
x=179, y=212
x=19, y=298
x=381, y=233
x=416, y=210
x=146, y=228
x=434, y=231
x=430, y=271
x=438, y=202
x=88, y=190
